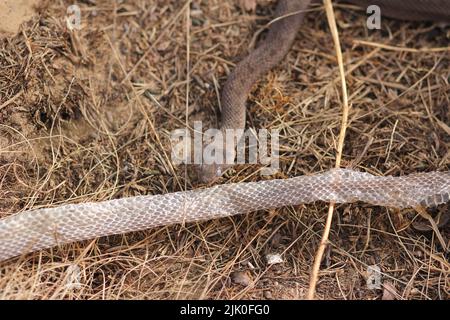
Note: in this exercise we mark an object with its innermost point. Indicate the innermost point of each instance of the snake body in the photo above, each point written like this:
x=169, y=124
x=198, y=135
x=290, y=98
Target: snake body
x=279, y=39
x=44, y=228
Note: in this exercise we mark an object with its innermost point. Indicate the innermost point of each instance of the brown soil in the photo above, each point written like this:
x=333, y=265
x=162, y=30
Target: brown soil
x=13, y=13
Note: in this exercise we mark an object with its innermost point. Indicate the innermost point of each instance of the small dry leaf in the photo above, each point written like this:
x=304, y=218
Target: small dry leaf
x=268, y=294
x=444, y=127
x=274, y=258
x=248, y=5
x=242, y=278
x=389, y=291
x=276, y=240
x=321, y=71
x=163, y=46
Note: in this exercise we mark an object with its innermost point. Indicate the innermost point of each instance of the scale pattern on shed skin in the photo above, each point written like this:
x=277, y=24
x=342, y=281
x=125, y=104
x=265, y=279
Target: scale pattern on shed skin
x=44, y=228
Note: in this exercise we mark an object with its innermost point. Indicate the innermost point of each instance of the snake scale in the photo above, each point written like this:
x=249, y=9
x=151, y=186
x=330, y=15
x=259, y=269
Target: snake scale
x=44, y=228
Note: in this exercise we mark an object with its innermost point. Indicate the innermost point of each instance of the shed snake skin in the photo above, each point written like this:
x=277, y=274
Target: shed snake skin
x=44, y=228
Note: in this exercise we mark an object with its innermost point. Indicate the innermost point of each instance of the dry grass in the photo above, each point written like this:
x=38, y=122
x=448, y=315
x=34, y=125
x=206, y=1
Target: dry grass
x=86, y=116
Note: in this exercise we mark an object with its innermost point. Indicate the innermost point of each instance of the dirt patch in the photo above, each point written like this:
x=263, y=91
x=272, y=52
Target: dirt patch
x=13, y=13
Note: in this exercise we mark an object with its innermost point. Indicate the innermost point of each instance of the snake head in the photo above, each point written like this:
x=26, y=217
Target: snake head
x=214, y=167
x=209, y=173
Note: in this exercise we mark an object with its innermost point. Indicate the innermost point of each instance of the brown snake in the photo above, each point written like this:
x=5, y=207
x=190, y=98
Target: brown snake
x=43, y=228
x=279, y=39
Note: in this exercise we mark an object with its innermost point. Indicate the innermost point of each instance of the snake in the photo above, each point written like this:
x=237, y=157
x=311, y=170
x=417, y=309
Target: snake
x=43, y=228
x=280, y=36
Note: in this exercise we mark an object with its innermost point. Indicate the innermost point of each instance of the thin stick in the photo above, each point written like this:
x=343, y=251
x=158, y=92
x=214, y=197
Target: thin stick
x=423, y=212
x=188, y=74
x=323, y=242
x=8, y=102
x=396, y=48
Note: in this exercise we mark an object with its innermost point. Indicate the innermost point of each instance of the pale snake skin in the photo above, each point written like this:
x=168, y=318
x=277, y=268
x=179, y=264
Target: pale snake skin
x=44, y=228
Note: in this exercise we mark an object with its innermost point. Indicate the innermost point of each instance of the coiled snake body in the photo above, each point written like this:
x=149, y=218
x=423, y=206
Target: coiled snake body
x=43, y=228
